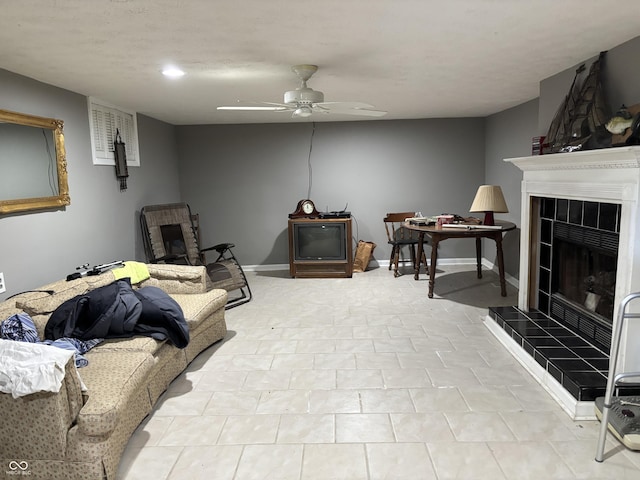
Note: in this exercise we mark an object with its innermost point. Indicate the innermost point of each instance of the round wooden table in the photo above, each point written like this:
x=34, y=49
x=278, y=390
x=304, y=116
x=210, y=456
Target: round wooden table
x=444, y=232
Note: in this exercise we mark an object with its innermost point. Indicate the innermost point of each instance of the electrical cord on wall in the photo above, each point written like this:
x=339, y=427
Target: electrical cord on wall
x=313, y=131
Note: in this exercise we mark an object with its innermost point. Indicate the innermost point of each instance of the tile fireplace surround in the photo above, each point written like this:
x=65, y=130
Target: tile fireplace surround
x=609, y=176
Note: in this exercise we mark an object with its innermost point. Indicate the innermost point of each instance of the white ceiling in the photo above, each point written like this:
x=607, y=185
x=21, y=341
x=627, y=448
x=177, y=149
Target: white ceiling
x=412, y=58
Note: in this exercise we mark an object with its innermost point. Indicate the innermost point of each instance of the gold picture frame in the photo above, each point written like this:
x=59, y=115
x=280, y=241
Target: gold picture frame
x=59, y=183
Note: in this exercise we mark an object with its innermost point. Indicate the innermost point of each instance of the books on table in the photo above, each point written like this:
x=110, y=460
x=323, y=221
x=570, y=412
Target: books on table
x=472, y=226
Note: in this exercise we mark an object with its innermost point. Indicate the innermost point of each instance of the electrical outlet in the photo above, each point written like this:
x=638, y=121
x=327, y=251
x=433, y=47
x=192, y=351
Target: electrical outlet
x=3, y=286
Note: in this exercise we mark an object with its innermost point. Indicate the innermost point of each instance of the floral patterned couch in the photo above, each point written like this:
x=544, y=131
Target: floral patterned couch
x=76, y=434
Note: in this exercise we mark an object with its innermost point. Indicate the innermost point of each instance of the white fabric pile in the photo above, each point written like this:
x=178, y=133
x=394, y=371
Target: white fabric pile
x=27, y=368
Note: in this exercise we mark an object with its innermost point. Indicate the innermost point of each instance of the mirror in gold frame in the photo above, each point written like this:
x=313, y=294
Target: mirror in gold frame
x=33, y=162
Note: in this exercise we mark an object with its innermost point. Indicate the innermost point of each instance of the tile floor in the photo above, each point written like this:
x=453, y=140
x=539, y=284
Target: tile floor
x=365, y=378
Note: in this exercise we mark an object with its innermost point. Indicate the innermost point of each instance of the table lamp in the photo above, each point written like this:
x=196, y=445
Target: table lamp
x=489, y=199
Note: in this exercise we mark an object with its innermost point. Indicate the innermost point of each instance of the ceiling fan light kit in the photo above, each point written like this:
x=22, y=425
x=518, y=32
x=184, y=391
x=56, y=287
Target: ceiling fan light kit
x=304, y=101
x=302, y=111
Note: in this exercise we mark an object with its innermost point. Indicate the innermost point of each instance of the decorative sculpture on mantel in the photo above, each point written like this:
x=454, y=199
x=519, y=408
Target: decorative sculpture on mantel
x=579, y=123
x=625, y=126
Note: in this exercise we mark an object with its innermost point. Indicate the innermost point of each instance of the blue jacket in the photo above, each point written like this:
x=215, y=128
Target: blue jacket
x=117, y=311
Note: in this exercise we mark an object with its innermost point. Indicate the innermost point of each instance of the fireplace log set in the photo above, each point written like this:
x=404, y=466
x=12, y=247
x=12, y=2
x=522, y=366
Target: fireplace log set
x=585, y=277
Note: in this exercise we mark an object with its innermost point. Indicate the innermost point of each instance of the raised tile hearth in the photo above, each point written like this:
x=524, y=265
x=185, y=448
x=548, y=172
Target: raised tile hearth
x=575, y=363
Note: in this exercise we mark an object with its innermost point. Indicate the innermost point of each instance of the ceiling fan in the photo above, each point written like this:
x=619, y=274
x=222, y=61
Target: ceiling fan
x=304, y=101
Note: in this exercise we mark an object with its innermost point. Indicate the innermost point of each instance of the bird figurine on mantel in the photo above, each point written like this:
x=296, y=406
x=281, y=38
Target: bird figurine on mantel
x=620, y=121
x=624, y=126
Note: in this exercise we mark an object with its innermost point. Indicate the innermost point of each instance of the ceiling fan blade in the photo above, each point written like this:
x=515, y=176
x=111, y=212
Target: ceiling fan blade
x=256, y=106
x=253, y=109
x=350, y=108
x=361, y=111
x=275, y=104
x=345, y=105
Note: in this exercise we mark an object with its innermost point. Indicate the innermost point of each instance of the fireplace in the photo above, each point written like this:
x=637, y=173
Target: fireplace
x=579, y=256
x=577, y=264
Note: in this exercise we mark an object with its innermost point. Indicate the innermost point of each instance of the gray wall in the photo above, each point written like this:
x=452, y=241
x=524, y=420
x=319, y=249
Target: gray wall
x=244, y=180
x=101, y=224
x=508, y=135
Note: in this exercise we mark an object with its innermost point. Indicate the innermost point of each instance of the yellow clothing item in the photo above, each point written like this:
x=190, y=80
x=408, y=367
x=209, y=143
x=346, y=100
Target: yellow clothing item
x=137, y=271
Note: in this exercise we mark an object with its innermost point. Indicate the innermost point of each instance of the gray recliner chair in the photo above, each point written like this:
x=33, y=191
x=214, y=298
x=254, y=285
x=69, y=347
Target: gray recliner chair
x=171, y=234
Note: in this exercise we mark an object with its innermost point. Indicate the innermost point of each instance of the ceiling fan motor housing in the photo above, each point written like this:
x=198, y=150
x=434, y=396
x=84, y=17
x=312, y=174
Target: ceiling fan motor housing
x=303, y=96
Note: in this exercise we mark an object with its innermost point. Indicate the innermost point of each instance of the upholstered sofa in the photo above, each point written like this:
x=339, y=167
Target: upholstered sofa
x=81, y=434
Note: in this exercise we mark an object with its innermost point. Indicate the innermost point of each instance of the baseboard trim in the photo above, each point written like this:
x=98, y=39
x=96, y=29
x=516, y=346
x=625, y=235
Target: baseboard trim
x=385, y=264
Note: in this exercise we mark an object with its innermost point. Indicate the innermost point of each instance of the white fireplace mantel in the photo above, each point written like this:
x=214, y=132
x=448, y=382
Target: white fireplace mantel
x=621, y=157
x=608, y=175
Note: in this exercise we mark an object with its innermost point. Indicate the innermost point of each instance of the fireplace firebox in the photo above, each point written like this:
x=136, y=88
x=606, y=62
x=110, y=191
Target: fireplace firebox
x=577, y=265
x=585, y=277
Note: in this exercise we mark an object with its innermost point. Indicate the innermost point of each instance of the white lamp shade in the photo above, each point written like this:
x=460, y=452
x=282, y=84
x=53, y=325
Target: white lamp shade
x=489, y=198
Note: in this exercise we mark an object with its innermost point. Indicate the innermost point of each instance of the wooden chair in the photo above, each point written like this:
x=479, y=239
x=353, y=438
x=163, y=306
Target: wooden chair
x=398, y=236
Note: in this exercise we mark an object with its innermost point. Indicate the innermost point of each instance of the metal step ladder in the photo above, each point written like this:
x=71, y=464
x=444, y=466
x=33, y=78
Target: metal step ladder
x=621, y=415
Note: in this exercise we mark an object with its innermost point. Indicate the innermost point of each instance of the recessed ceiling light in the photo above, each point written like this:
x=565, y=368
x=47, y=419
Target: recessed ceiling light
x=173, y=72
